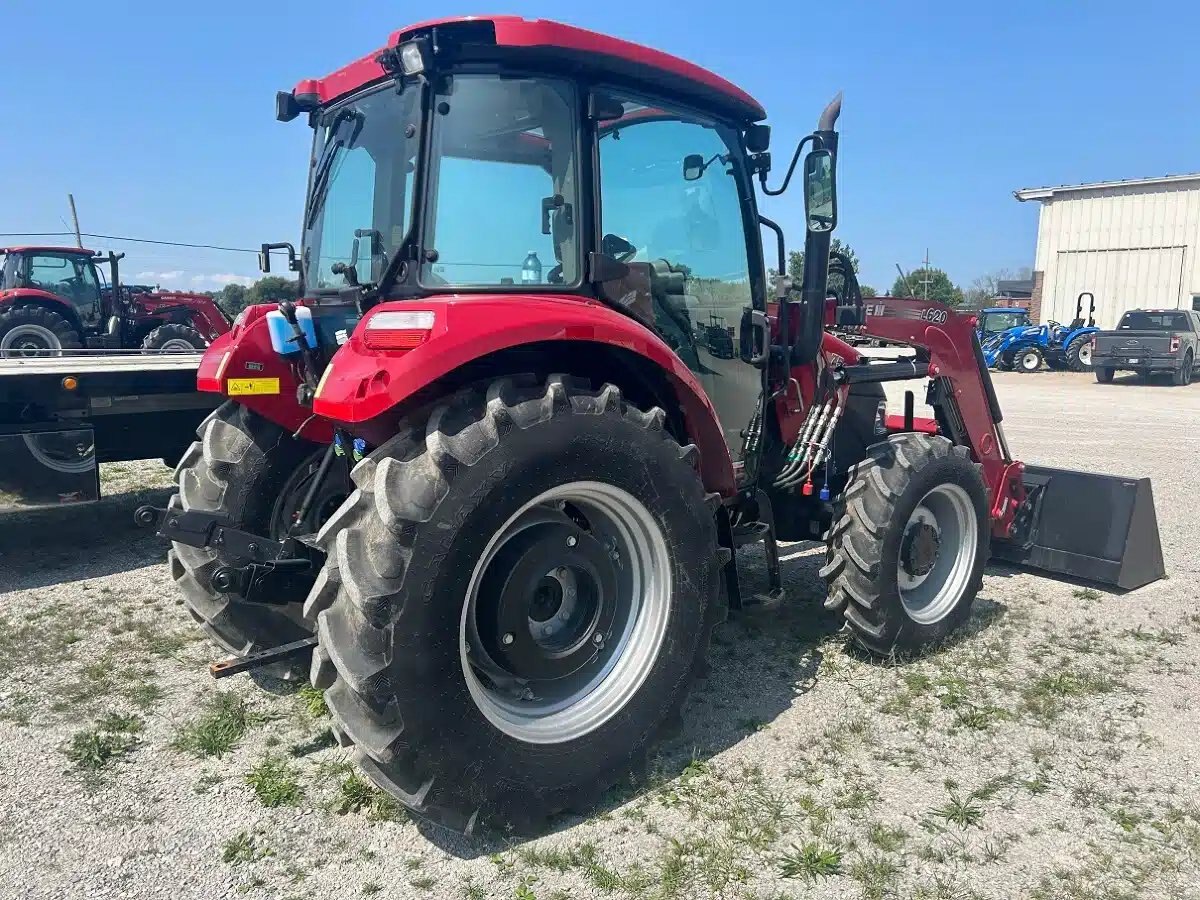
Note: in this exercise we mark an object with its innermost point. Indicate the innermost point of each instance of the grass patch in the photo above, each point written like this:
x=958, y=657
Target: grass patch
x=812, y=861
x=1046, y=696
x=356, y=794
x=243, y=847
x=112, y=737
x=274, y=782
x=219, y=728
x=877, y=875
x=313, y=701
x=961, y=812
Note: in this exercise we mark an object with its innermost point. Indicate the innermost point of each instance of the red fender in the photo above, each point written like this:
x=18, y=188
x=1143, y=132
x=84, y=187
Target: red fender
x=16, y=295
x=362, y=383
x=244, y=355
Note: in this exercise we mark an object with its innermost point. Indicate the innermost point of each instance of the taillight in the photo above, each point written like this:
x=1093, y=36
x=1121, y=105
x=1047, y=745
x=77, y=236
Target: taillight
x=398, y=329
x=1174, y=342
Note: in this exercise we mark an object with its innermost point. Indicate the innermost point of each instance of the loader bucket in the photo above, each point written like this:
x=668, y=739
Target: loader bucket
x=1098, y=528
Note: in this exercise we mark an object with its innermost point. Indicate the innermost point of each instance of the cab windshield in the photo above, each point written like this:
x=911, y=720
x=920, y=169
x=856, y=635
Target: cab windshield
x=501, y=203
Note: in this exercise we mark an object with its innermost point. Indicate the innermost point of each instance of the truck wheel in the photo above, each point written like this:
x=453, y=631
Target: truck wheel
x=1183, y=375
x=906, y=558
x=174, y=339
x=516, y=600
x=27, y=331
x=1104, y=375
x=1028, y=360
x=1079, y=353
x=256, y=474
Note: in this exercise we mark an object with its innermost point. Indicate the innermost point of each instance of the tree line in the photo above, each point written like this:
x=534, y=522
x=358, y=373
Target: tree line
x=233, y=298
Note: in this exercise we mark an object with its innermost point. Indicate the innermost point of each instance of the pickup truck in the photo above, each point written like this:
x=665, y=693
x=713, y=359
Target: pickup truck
x=1148, y=341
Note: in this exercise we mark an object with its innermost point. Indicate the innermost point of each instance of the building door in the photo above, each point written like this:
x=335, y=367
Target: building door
x=1121, y=279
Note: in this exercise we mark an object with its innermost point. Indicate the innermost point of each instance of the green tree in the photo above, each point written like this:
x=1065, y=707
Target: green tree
x=272, y=289
x=868, y=291
x=796, y=259
x=940, y=287
x=231, y=298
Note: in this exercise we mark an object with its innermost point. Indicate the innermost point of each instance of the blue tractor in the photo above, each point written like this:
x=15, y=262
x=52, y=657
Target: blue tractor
x=1024, y=347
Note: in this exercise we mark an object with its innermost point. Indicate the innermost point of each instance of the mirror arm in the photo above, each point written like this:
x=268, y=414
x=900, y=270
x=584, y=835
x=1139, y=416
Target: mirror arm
x=787, y=179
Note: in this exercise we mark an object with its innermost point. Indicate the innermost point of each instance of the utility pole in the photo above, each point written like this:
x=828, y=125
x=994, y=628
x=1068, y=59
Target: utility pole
x=927, y=280
x=75, y=220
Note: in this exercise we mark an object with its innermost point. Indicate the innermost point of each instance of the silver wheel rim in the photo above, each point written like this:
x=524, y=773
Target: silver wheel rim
x=1085, y=353
x=178, y=345
x=1029, y=361
x=929, y=596
x=549, y=712
x=67, y=466
x=29, y=339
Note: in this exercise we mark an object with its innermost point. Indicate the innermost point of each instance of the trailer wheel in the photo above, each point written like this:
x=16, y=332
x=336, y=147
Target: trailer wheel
x=905, y=559
x=1079, y=353
x=1104, y=374
x=31, y=331
x=516, y=600
x=256, y=474
x=174, y=339
x=1028, y=360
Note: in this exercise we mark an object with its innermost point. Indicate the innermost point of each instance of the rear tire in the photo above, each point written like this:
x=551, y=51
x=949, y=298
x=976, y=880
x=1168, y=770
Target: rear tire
x=1104, y=375
x=174, y=339
x=32, y=331
x=1183, y=375
x=1079, y=353
x=913, y=493
x=411, y=653
x=255, y=473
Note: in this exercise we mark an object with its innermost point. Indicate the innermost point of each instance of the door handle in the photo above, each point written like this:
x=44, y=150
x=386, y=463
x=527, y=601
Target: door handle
x=756, y=337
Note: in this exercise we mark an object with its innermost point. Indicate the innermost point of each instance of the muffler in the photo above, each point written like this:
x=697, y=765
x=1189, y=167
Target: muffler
x=1098, y=528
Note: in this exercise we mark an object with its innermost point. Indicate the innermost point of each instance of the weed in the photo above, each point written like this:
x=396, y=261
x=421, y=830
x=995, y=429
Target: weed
x=811, y=861
x=371, y=888
x=113, y=736
x=962, y=813
x=472, y=891
x=219, y=728
x=356, y=794
x=423, y=882
x=1085, y=594
x=274, y=782
x=243, y=847
x=313, y=701
x=876, y=874
x=885, y=838
x=524, y=890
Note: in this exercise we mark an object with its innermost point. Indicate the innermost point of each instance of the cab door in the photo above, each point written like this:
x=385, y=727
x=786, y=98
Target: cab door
x=672, y=194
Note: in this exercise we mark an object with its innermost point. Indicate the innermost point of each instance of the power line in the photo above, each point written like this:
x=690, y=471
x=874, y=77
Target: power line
x=133, y=240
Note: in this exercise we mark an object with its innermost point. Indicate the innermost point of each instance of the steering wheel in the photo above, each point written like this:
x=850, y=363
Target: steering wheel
x=618, y=248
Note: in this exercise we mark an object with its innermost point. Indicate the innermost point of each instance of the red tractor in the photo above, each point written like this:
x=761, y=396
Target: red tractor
x=55, y=299
x=502, y=512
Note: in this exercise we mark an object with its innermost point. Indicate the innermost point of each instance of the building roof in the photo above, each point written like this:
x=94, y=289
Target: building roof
x=1047, y=193
x=542, y=38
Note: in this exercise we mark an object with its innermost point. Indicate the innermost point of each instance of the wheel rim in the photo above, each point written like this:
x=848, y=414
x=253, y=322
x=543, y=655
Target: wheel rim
x=565, y=612
x=330, y=495
x=178, y=345
x=937, y=554
x=60, y=458
x=29, y=340
x=1085, y=353
x=1029, y=361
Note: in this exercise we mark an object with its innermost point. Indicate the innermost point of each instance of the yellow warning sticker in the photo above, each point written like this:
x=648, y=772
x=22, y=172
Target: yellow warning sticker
x=241, y=387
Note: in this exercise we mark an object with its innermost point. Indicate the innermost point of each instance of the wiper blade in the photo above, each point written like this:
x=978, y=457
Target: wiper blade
x=325, y=166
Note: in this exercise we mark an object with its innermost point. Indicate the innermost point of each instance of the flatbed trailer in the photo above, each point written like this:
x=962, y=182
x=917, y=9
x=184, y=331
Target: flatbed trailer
x=60, y=417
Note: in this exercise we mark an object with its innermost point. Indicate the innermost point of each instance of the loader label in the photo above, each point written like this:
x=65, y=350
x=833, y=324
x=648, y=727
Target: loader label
x=242, y=387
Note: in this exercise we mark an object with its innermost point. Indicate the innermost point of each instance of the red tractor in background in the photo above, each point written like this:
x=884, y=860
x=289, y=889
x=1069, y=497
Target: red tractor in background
x=502, y=513
x=55, y=300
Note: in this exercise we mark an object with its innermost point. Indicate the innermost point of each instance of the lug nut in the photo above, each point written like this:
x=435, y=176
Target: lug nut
x=508, y=639
x=597, y=638
x=572, y=540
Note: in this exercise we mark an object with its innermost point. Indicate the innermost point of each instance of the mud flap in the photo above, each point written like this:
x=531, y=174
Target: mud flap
x=1100, y=528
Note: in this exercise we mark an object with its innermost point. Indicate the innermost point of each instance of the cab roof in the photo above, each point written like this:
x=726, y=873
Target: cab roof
x=80, y=251
x=549, y=42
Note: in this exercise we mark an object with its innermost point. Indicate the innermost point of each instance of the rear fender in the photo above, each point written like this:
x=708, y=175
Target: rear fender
x=362, y=383
x=243, y=360
x=44, y=299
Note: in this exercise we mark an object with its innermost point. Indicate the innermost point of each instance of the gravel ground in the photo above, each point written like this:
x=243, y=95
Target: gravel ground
x=1048, y=751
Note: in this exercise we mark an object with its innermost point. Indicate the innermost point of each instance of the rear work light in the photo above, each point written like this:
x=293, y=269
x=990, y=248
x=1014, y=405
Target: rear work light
x=398, y=329
x=1174, y=342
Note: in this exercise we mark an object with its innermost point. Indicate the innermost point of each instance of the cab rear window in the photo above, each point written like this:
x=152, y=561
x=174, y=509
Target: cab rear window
x=1147, y=321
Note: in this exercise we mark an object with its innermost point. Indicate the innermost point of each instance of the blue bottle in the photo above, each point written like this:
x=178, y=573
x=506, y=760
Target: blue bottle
x=531, y=269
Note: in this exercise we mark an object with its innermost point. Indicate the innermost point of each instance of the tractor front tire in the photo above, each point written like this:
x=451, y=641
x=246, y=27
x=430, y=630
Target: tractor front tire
x=254, y=473
x=905, y=559
x=516, y=600
x=174, y=339
x=1029, y=360
x=35, y=331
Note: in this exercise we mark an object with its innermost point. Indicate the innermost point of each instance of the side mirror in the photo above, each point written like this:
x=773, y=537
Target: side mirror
x=264, y=256
x=693, y=167
x=820, y=192
x=264, y=259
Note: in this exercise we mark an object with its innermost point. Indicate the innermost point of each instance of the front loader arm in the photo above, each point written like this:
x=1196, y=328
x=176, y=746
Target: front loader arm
x=960, y=389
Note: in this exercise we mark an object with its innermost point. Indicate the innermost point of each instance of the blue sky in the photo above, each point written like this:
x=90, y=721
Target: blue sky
x=159, y=117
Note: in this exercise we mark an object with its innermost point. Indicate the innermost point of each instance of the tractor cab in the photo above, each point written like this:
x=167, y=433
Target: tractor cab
x=65, y=274
x=994, y=320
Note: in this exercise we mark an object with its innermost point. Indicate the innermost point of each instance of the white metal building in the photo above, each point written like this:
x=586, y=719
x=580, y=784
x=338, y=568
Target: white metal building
x=1130, y=243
